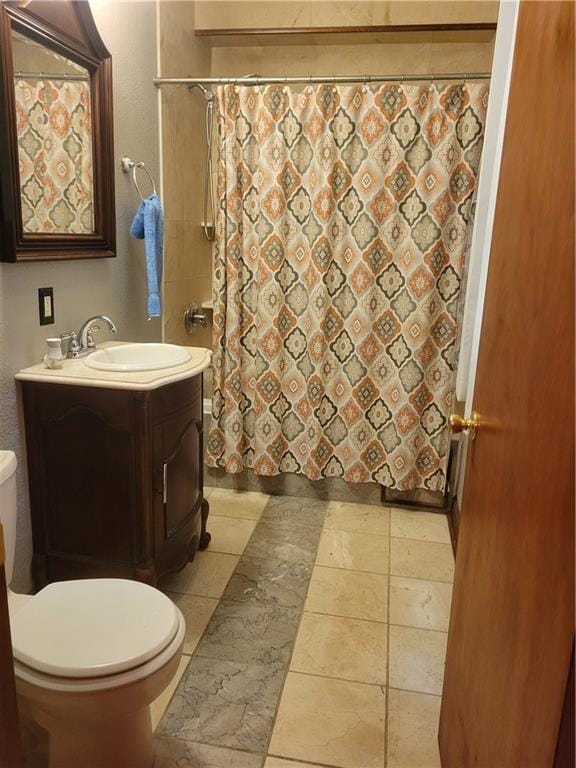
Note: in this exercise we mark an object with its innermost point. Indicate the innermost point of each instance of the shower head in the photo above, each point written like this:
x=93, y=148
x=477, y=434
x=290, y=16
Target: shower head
x=208, y=95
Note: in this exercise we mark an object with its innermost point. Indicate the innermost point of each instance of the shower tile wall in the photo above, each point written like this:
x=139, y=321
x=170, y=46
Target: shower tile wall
x=339, y=13
x=187, y=253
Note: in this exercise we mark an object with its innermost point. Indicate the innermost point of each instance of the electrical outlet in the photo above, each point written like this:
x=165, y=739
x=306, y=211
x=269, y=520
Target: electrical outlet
x=46, y=305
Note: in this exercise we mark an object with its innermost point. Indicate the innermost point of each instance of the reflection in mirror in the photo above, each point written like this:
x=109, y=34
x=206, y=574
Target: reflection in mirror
x=54, y=132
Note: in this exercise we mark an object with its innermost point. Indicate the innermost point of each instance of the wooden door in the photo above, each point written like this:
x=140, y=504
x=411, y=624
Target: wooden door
x=512, y=621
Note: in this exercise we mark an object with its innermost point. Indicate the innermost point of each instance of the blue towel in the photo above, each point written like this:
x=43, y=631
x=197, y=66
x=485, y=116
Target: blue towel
x=148, y=225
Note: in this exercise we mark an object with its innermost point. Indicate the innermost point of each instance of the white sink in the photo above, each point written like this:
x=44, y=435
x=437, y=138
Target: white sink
x=138, y=357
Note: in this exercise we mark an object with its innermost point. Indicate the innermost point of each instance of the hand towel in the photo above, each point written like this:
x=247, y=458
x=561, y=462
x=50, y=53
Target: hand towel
x=148, y=225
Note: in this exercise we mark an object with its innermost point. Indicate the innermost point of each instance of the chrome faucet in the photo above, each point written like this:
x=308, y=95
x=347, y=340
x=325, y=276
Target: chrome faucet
x=82, y=343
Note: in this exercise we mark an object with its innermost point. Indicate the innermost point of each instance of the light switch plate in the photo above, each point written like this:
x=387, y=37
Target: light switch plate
x=46, y=305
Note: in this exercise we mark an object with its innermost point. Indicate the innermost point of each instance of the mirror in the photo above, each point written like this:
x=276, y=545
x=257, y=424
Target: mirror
x=56, y=163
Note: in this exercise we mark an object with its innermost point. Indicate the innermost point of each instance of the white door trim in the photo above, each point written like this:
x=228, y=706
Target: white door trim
x=484, y=217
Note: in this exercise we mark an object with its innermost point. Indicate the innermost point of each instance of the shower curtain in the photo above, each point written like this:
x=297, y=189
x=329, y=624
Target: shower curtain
x=338, y=259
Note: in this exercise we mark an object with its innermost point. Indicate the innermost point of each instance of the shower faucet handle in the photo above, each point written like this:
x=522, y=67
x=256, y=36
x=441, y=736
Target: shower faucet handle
x=193, y=317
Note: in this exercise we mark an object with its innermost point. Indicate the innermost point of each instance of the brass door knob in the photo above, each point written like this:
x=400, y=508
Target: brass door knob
x=460, y=424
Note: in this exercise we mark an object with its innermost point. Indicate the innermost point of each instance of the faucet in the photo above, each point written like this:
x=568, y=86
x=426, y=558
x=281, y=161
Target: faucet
x=83, y=342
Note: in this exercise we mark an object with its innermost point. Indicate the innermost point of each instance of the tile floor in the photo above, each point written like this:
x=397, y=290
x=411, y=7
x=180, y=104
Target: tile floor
x=316, y=636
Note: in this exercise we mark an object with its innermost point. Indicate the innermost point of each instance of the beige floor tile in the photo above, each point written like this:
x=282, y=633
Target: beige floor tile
x=206, y=576
x=426, y=526
x=421, y=559
x=348, y=649
x=244, y=504
x=158, y=707
x=229, y=534
x=416, y=659
x=417, y=603
x=278, y=762
x=197, y=613
x=334, y=722
x=358, y=518
x=354, y=551
x=413, y=730
x=207, y=491
x=348, y=593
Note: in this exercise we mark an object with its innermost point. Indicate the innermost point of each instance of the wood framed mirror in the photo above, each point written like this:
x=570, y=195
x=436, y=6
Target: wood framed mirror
x=56, y=133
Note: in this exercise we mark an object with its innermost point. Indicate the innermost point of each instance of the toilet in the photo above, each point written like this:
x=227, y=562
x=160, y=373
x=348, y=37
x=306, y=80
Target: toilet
x=90, y=656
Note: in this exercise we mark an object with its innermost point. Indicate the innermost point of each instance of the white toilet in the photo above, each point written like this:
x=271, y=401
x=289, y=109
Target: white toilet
x=90, y=656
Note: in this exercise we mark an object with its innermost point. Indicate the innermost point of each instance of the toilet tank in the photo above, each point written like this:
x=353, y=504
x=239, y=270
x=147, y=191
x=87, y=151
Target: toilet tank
x=8, y=507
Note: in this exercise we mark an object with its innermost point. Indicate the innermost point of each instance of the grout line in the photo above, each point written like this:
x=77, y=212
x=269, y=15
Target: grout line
x=333, y=677
x=424, y=541
x=379, y=573
x=216, y=746
x=379, y=535
x=297, y=762
x=420, y=693
x=339, y=616
x=418, y=578
x=344, y=616
x=424, y=629
x=349, y=570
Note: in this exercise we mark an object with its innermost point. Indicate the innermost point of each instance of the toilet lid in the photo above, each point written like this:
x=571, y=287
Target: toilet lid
x=93, y=627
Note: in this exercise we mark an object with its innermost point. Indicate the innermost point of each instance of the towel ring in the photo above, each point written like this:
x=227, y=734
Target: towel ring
x=130, y=165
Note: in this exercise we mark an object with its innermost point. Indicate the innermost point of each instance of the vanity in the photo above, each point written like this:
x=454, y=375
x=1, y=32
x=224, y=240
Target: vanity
x=115, y=463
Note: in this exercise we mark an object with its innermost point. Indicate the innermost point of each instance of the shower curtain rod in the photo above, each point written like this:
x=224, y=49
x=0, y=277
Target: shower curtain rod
x=254, y=80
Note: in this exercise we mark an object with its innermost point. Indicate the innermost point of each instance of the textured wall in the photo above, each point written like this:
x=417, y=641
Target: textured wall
x=82, y=288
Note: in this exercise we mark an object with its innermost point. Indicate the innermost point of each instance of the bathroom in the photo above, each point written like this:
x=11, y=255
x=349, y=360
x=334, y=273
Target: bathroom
x=329, y=614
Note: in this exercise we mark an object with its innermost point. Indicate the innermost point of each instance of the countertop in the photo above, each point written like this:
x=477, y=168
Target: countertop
x=74, y=372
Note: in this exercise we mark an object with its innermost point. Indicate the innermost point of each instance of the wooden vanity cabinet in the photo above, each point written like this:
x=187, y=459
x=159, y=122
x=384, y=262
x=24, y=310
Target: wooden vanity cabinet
x=116, y=479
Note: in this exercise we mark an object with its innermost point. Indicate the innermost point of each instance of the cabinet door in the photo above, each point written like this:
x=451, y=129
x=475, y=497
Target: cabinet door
x=84, y=498
x=177, y=442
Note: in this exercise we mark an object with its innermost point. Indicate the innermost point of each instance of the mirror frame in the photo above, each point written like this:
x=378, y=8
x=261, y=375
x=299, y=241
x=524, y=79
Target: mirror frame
x=68, y=28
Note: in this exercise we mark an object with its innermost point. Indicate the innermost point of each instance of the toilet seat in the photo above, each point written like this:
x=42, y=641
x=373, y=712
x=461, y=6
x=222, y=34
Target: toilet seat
x=93, y=628
x=91, y=685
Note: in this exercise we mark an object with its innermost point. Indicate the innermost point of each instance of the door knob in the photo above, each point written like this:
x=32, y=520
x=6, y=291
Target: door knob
x=460, y=424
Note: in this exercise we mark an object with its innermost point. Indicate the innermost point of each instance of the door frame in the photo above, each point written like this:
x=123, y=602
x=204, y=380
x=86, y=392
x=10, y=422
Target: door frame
x=481, y=240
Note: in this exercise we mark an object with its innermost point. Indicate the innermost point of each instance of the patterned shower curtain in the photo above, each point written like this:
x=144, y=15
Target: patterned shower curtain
x=338, y=262
x=53, y=124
